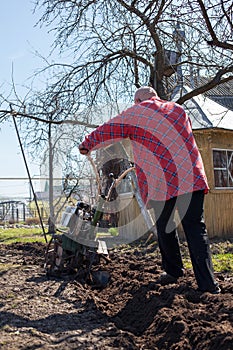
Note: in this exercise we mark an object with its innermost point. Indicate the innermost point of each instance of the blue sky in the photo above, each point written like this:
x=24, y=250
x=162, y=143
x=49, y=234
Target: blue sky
x=19, y=40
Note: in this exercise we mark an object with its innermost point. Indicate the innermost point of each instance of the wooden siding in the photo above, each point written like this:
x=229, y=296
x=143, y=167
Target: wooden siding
x=132, y=224
x=219, y=214
x=218, y=202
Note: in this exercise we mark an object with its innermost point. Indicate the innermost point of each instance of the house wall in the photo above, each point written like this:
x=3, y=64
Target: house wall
x=218, y=202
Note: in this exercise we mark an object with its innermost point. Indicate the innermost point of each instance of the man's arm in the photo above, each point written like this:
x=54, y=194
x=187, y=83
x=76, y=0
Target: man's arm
x=103, y=135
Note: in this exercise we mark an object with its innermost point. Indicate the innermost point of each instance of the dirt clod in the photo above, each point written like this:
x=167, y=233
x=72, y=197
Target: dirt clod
x=132, y=312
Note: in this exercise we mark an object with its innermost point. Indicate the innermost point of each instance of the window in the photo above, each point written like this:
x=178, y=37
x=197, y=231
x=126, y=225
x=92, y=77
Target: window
x=223, y=168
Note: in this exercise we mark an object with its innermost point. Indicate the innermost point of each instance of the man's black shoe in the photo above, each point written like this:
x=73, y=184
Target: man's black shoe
x=165, y=279
x=217, y=290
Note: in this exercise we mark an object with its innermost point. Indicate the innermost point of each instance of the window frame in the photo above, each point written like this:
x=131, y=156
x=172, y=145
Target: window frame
x=226, y=168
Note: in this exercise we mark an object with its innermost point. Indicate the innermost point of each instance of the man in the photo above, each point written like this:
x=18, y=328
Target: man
x=170, y=175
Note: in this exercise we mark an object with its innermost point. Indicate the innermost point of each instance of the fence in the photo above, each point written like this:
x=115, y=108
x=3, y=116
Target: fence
x=17, y=211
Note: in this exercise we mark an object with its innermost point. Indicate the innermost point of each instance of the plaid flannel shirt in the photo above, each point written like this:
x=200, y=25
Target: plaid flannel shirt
x=167, y=159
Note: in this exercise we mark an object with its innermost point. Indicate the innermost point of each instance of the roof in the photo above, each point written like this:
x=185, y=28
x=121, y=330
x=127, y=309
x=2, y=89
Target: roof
x=222, y=93
x=206, y=113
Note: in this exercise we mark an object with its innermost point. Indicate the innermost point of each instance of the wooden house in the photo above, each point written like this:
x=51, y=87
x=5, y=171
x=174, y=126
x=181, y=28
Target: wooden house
x=213, y=129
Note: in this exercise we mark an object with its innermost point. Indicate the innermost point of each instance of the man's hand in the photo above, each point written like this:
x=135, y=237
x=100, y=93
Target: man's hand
x=83, y=150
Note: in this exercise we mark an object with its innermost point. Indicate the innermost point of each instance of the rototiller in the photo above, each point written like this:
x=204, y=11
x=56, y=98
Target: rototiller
x=78, y=248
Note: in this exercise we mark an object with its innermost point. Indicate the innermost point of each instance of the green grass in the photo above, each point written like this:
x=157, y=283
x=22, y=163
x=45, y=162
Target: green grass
x=222, y=262
x=22, y=235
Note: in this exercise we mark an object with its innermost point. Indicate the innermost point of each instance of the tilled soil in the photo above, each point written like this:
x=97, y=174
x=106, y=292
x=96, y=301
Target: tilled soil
x=133, y=312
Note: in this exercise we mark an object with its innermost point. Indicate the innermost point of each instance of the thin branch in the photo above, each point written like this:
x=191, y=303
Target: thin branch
x=215, y=41
x=46, y=121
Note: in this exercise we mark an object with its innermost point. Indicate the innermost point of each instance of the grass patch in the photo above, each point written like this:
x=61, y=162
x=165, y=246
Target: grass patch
x=222, y=262
x=21, y=235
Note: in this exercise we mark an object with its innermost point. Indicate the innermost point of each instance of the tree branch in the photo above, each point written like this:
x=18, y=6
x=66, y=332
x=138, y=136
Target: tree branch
x=210, y=85
x=47, y=121
x=215, y=41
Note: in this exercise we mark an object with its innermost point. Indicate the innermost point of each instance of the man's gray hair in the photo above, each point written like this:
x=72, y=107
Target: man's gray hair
x=144, y=93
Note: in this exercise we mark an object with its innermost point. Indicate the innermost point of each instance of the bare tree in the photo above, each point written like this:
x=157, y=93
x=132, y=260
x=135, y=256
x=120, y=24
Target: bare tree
x=118, y=45
x=111, y=47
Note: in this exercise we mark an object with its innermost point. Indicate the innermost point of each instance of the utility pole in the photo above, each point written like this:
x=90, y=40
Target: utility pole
x=51, y=221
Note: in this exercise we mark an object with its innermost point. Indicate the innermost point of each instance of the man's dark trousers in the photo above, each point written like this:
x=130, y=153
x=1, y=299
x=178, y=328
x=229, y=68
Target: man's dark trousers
x=190, y=210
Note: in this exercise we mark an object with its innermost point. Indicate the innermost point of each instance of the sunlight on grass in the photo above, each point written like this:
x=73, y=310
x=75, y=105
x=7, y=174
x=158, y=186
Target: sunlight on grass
x=23, y=235
x=221, y=262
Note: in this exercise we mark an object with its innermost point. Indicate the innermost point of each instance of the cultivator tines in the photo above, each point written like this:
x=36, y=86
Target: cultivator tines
x=76, y=251
x=65, y=257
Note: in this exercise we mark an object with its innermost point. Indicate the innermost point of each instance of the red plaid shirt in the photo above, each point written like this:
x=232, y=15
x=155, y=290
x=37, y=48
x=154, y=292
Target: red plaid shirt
x=168, y=162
